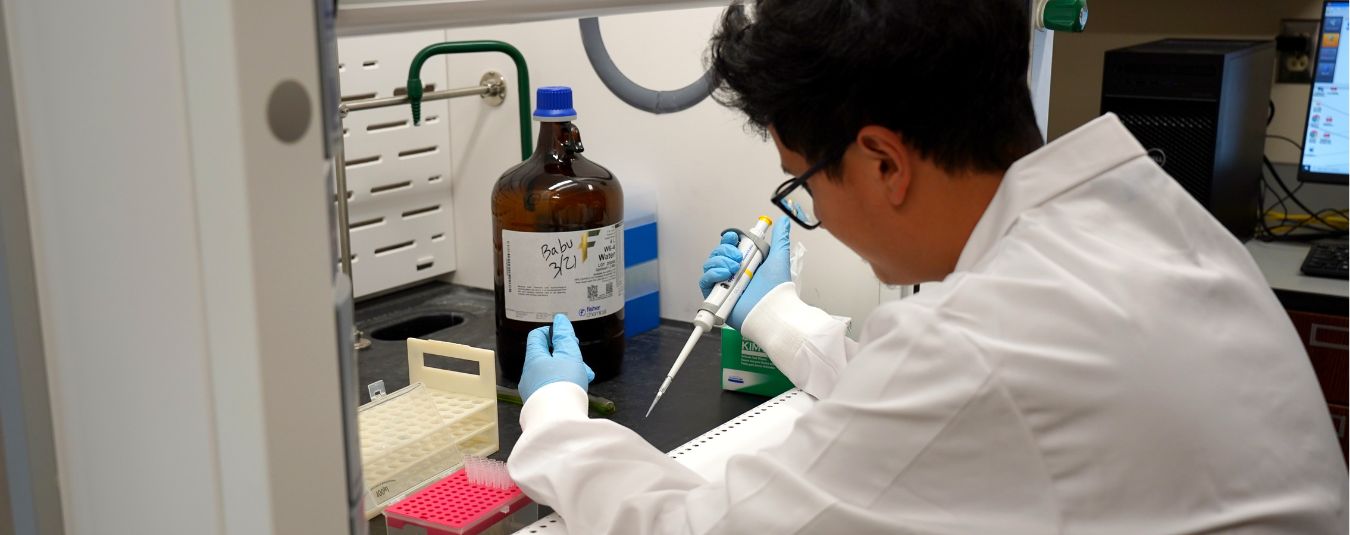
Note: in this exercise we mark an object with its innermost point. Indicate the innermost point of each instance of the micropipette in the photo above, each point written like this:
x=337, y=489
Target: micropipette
x=723, y=297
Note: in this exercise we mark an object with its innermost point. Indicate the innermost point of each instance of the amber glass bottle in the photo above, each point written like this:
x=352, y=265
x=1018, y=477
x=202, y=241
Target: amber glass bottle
x=557, y=240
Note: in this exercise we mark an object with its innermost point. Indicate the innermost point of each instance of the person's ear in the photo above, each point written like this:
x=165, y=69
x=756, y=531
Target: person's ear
x=887, y=161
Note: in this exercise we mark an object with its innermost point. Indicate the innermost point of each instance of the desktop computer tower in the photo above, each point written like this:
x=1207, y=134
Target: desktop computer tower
x=1199, y=107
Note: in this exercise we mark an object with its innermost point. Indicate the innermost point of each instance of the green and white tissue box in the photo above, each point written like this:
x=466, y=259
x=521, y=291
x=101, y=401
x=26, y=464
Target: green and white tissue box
x=746, y=368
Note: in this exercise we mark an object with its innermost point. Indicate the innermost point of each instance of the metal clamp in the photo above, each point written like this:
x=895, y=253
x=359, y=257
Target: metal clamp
x=376, y=390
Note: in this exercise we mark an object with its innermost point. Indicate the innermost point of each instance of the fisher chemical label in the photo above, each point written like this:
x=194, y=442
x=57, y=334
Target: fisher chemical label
x=576, y=273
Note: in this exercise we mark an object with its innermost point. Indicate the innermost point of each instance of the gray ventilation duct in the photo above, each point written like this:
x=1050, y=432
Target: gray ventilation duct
x=629, y=91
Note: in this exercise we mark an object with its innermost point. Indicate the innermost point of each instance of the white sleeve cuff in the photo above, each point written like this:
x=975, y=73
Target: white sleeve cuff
x=803, y=341
x=780, y=321
x=562, y=400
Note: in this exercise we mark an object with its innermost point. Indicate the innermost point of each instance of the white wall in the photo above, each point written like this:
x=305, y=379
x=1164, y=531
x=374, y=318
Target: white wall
x=706, y=170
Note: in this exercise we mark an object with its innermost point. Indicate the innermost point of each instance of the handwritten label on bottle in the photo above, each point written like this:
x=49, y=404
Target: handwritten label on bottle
x=577, y=273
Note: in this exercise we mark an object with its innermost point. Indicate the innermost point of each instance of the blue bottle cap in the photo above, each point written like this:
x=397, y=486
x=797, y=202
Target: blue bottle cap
x=554, y=104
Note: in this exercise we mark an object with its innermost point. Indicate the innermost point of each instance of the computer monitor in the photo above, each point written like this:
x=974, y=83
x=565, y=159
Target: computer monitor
x=1326, y=149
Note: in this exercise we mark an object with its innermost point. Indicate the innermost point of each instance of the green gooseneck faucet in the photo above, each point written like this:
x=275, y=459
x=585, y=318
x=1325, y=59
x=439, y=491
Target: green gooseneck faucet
x=465, y=47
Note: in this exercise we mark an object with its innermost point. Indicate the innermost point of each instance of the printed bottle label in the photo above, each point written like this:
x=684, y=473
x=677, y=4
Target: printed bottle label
x=577, y=273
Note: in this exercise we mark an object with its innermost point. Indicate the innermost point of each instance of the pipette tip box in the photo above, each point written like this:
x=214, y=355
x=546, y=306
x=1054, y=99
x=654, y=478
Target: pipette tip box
x=453, y=505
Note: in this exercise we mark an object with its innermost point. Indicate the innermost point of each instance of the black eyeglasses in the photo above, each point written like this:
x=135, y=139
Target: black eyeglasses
x=794, y=198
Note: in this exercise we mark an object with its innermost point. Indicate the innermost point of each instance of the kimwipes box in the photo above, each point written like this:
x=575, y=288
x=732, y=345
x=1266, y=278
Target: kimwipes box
x=746, y=368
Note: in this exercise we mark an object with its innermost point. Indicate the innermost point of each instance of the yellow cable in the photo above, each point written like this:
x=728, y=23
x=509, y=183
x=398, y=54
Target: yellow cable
x=1337, y=222
x=1303, y=217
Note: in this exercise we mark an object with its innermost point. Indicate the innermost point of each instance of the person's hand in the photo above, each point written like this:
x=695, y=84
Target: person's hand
x=560, y=363
x=726, y=260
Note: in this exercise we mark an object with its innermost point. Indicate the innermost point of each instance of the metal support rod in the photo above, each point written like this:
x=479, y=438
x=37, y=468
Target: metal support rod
x=344, y=234
x=344, y=223
x=489, y=89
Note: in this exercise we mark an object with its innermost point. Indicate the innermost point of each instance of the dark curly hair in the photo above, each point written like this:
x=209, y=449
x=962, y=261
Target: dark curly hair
x=949, y=76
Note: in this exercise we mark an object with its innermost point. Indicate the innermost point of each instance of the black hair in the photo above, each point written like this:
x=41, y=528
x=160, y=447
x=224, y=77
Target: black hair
x=949, y=76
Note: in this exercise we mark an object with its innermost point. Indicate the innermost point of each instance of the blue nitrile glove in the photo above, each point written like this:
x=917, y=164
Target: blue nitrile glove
x=774, y=270
x=561, y=363
x=724, y=260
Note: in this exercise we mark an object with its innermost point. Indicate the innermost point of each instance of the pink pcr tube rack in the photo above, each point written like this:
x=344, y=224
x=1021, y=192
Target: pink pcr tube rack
x=455, y=506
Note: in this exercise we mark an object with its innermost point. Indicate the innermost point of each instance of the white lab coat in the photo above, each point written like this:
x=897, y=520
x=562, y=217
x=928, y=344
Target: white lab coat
x=1105, y=359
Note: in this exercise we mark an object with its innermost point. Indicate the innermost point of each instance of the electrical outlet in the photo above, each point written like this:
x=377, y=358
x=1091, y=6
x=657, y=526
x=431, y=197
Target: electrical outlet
x=1294, y=51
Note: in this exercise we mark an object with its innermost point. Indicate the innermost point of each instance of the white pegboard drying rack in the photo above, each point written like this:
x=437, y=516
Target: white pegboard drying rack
x=396, y=217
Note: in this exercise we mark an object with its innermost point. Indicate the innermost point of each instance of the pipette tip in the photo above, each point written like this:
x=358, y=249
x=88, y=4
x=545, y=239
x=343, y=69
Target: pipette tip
x=659, y=392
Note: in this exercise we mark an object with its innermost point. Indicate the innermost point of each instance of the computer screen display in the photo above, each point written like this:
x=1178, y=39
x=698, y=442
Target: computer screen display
x=1326, y=149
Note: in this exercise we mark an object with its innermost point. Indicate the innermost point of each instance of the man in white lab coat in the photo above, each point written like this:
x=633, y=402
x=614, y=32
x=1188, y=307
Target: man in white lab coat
x=1099, y=356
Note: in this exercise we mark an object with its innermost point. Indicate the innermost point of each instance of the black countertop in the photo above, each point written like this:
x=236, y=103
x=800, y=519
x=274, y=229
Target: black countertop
x=694, y=403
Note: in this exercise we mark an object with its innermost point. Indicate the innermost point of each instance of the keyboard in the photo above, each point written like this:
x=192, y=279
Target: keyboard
x=1326, y=260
